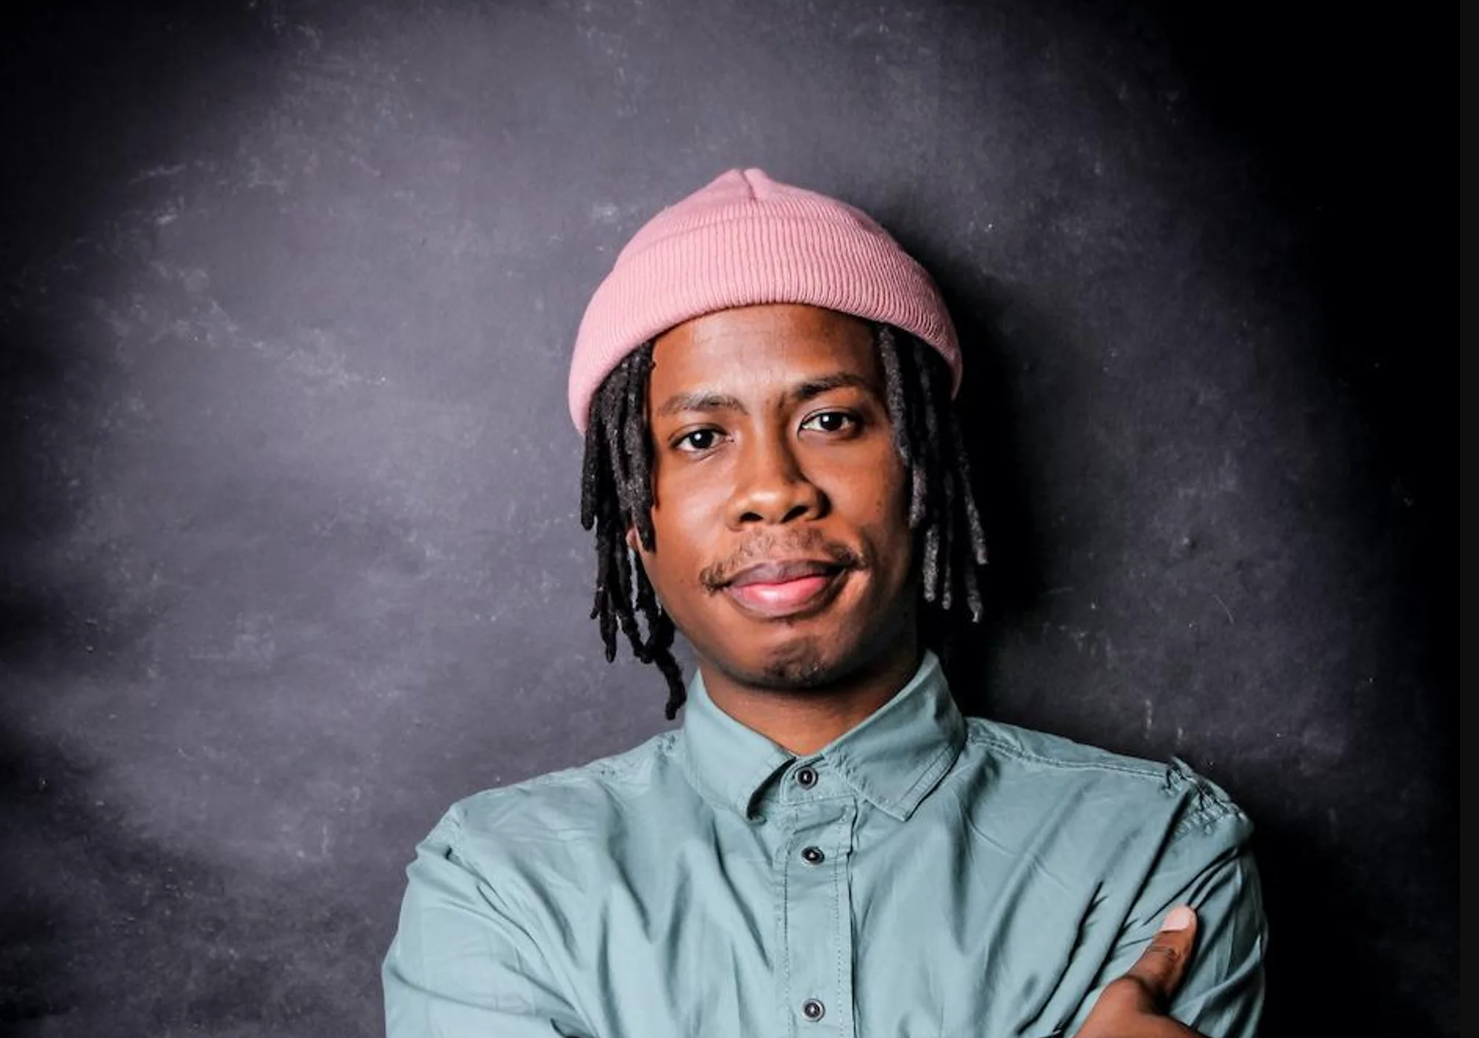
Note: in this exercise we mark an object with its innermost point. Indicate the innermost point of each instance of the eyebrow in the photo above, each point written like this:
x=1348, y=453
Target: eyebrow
x=815, y=387
x=802, y=391
x=679, y=402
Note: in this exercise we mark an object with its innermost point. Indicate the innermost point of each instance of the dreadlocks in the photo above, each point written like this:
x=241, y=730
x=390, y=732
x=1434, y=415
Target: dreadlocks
x=616, y=496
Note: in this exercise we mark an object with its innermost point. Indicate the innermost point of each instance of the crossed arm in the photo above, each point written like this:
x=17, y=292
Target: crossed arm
x=463, y=964
x=1134, y=1006
x=487, y=984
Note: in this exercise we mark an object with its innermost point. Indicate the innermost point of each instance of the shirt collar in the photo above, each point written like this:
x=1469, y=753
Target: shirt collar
x=893, y=759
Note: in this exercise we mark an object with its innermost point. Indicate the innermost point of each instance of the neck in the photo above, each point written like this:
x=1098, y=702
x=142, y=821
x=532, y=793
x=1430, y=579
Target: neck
x=806, y=719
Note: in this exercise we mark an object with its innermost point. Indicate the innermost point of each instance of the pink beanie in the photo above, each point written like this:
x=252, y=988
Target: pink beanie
x=743, y=240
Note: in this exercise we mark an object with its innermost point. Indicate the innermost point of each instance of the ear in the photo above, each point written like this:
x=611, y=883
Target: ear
x=633, y=541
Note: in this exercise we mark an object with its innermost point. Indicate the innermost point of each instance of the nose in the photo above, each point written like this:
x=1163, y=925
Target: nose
x=772, y=486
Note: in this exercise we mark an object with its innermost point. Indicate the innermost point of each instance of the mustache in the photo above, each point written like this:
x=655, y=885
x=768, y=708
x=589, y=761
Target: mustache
x=763, y=546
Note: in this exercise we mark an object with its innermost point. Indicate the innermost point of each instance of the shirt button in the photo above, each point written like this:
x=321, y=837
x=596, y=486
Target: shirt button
x=806, y=778
x=813, y=1010
x=812, y=855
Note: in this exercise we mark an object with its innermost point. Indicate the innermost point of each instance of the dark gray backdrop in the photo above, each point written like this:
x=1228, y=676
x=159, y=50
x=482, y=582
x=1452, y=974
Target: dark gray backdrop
x=288, y=490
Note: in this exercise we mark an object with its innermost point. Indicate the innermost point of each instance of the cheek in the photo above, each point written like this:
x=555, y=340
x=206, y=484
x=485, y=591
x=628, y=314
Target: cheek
x=681, y=523
x=886, y=524
x=687, y=513
x=681, y=527
x=875, y=494
x=684, y=491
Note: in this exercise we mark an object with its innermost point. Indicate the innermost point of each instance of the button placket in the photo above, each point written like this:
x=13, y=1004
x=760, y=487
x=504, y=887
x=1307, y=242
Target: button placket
x=818, y=916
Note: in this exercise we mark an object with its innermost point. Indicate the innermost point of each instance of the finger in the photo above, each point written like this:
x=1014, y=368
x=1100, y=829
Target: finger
x=1162, y=965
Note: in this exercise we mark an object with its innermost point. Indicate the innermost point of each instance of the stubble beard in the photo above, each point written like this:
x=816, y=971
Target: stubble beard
x=799, y=666
x=805, y=664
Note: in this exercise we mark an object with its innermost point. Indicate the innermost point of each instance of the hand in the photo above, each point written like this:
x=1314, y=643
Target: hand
x=1133, y=1006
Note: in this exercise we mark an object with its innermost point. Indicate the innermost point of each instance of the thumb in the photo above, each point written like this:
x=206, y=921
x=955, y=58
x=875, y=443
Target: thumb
x=1162, y=965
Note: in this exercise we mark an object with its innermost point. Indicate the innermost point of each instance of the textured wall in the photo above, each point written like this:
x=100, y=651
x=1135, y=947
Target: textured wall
x=288, y=492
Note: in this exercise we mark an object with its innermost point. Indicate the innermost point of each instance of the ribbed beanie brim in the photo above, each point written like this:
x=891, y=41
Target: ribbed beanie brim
x=744, y=240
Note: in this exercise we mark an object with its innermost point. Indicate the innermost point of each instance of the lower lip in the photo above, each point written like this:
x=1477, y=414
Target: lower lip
x=785, y=598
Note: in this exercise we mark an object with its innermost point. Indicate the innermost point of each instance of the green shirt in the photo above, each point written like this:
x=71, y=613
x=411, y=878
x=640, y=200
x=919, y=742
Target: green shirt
x=923, y=875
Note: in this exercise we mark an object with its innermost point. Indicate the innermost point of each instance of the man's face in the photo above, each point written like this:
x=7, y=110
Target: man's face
x=783, y=550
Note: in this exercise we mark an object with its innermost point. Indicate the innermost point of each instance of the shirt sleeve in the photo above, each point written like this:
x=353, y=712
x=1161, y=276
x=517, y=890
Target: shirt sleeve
x=461, y=965
x=1206, y=864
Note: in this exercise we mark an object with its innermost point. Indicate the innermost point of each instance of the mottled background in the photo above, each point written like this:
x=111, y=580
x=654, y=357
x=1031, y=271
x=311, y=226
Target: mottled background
x=289, y=557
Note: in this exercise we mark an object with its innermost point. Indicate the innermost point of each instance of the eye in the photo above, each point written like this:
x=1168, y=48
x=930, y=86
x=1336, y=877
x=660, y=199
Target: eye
x=830, y=422
x=698, y=441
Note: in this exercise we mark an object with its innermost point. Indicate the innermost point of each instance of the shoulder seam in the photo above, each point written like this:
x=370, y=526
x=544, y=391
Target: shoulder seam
x=1205, y=803
x=616, y=766
x=1147, y=770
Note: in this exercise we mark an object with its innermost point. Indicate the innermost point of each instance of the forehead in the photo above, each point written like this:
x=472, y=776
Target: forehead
x=760, y=350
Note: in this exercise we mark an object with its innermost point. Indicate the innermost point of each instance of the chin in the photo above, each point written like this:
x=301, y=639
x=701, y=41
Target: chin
x=801, y=655
x=800, y=663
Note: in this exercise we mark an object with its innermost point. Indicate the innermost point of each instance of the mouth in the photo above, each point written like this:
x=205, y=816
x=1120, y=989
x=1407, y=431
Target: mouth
x=789, y=588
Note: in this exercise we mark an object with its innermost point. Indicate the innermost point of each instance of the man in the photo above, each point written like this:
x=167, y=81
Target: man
x=825, y=847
